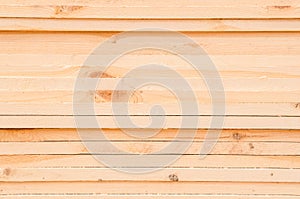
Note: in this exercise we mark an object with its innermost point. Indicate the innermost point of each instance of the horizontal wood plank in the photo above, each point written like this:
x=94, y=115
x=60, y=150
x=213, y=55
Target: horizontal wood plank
x=229, y=66
x=123, y=148
x=254, y=108
x=232, y=135
x=184, y=25
x=230, y=122
x=147, y=9
x=133, y=83
x=150, y=188
x=185, y=161
x=183, y=174
x=82, y=43
x=150, y=97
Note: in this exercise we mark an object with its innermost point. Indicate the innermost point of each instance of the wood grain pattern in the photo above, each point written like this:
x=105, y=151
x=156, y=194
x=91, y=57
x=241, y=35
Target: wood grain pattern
x=82, y=43
x=143, y=108
x=184, y=25
x=183, y=175
x=68, y=66
x=255, y=47
x=232, y=135
x=235, y=122
x=185, y=161
x=175, y=188
x=223, y=148
x=148, y=9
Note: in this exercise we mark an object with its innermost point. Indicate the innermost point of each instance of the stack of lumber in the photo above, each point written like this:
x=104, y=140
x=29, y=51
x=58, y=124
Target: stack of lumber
x=255, y=46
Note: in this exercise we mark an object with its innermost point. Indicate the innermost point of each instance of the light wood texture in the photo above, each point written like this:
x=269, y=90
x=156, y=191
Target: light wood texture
x=148, y=9
x=148, y=96
x=233, y=135
x=28, y=96
x=183, y=174
x=255, y=109
x=116, y=84
x=255, y=47
x=185, y=161
x=229, y=66
x=243, y=148
x=257, y=81
x=142, y=196
x=225, y=188
x=82, y=43
x=186, y=25
x=243, y=122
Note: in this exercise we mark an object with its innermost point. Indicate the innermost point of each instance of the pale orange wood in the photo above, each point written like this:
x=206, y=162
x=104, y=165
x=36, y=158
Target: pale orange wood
x=185, y=161
x=232, y=135
x=148, y=9
x=229, y=66
x=142, y=147
x=82, y=43
x=52, y=108
x=147, y=196
x=186, y=25
x=151, y=188
x=182, y=175
x=131, y=84
x=230, y=122
x=141, y=196
x=150, y=97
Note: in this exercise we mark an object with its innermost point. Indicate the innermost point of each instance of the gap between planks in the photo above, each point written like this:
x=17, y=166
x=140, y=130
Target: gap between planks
x=143, y=196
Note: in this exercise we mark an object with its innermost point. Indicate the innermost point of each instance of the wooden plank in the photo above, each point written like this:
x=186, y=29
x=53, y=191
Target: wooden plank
x=150, y=188
x=185, y=161
x=147, y=9
x=262, y=109
x=230, y=122
x=186, y=25
x=132, y=83
x=149, y=97
x=182, y=174
x=27, y=94
x=78, y=43
x=232, y=135
x=229, y=66
x=142, y=147
x=33, y=92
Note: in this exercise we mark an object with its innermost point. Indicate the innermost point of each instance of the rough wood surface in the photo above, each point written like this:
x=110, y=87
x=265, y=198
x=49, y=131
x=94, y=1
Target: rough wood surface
x=255, y=47
x=148, y=9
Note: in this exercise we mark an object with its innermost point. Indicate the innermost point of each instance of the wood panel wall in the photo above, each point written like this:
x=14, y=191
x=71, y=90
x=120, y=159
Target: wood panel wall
x=255, y=46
